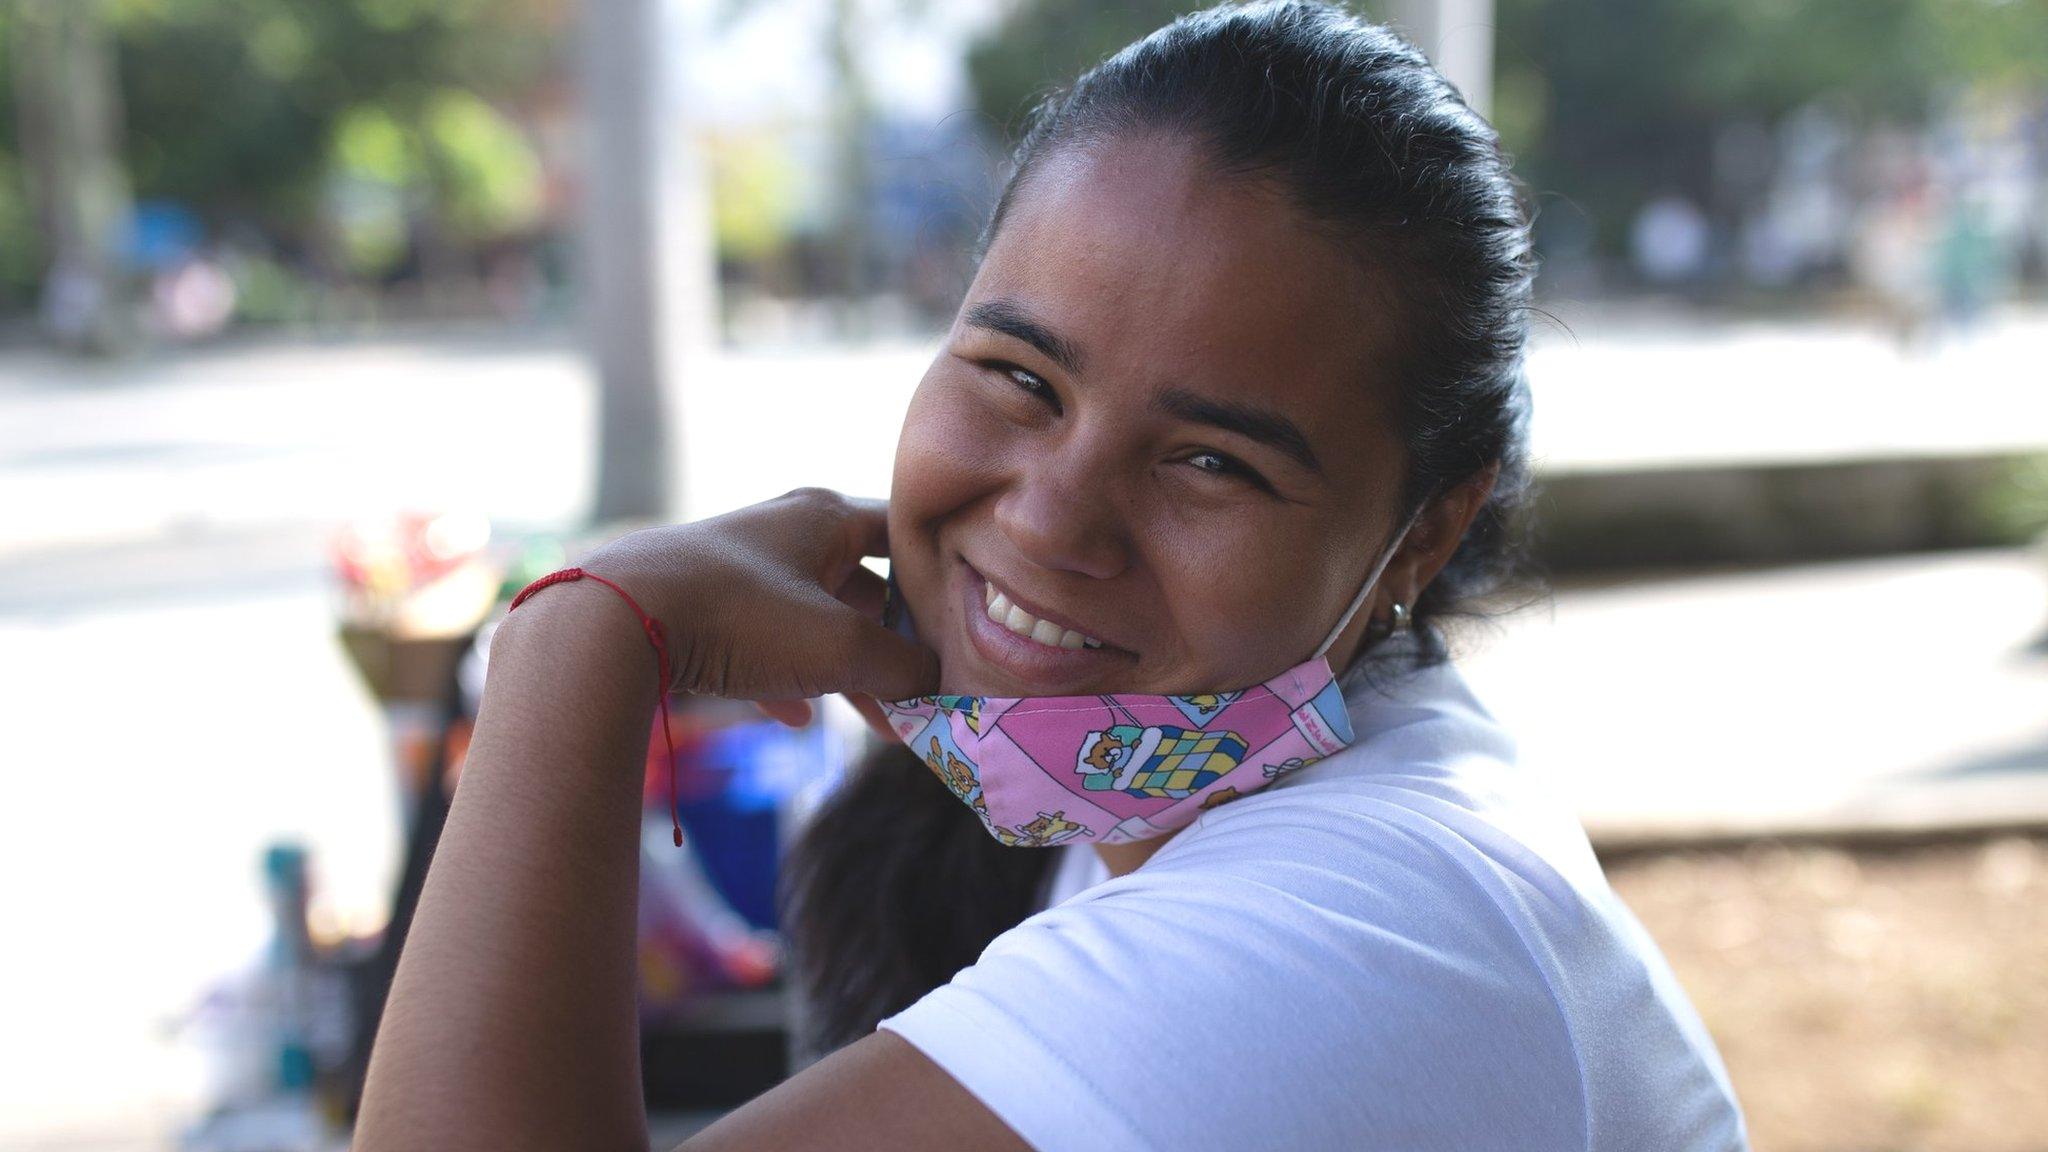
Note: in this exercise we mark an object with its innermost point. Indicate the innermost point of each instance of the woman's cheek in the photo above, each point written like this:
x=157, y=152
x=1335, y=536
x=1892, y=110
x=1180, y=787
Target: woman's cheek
x=1235, y=615
x=951, y=451
x=942, y=470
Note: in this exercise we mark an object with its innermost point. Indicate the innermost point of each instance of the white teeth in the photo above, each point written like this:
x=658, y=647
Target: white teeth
x=1023, y=623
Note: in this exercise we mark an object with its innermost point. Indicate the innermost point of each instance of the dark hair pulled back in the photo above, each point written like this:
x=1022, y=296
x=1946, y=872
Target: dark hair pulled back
x=894, y=885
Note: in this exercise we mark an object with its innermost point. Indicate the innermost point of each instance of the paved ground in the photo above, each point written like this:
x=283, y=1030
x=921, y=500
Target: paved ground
x=174, y=699
x=1879, y=693
x=1869, y=999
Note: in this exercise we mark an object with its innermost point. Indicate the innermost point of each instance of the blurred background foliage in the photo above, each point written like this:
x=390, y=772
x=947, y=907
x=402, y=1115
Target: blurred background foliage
x=317, y=147
x=244, y=107
x=1607, y=103
x=309, y=131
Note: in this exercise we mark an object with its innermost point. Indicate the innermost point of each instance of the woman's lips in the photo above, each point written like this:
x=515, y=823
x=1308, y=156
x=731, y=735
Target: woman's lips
x=1044, y=668
x=1002, y=609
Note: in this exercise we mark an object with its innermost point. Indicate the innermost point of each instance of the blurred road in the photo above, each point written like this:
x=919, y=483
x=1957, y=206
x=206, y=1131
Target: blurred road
x=174, y=698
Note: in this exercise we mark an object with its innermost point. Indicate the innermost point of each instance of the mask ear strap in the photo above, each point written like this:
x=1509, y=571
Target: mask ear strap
x=894, y=618
x=1365, y=590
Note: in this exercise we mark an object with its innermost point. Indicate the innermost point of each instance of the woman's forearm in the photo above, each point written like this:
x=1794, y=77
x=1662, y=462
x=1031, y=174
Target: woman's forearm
x=512, y=1021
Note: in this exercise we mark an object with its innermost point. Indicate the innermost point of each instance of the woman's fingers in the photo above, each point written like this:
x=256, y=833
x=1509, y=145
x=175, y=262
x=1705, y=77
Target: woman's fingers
x=874, y=661
x=772, y=602
x=794, y=713
x=862, y=591
x=868, y=525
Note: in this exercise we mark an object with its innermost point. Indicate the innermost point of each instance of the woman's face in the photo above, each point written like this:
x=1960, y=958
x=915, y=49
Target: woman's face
x=1159, y=422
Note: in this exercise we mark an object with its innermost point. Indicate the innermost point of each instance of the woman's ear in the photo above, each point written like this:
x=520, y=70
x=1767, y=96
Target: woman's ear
x=1434, y=539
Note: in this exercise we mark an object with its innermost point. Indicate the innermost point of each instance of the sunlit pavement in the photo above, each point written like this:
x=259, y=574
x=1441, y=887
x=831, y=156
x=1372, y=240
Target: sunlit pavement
x=1890, y=693
x=173, y=698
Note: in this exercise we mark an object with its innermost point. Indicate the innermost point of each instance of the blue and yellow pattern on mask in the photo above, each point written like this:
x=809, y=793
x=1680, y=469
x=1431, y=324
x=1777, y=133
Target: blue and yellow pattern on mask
x=1158, y=761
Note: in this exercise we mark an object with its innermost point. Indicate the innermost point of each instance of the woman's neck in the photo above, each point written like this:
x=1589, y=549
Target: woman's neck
x=1123, y=859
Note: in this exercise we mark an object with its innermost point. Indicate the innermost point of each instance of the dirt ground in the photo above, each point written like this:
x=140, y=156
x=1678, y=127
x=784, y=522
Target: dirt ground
x=1869, y=1000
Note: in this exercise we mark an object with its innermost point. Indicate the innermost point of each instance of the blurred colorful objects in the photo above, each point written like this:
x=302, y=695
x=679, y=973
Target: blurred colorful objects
x=416, y=575
x=691, y=940
x=274, y=1036
x=421, y=597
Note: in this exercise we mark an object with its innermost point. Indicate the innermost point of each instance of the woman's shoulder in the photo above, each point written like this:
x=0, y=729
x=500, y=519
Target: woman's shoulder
x=1218, y=998
x=1410, y=915
x=1470, y=885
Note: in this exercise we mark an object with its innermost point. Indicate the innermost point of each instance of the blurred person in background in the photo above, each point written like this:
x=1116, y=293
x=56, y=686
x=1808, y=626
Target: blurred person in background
x=1893, y=256
x=1238, y=382
x=1970, y=262
x=1670, y=242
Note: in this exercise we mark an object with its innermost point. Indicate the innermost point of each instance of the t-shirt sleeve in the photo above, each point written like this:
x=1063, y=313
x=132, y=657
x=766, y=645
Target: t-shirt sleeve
x=1361, y=991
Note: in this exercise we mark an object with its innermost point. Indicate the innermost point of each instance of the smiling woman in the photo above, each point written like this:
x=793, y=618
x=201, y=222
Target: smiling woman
x=1231, y=420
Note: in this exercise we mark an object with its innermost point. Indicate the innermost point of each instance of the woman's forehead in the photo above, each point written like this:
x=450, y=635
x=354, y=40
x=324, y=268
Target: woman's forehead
x=1155, y=268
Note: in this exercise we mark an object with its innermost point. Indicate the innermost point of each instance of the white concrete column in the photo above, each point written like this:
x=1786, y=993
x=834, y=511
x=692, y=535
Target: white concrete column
x=648, y=268
x=1457, y=36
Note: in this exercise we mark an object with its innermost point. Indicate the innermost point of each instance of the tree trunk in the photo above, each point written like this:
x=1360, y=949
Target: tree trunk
x=853, y=116
x=70, y=119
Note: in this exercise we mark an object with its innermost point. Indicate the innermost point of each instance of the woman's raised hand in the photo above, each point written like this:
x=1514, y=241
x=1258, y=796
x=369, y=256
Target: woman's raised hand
x=771, y=603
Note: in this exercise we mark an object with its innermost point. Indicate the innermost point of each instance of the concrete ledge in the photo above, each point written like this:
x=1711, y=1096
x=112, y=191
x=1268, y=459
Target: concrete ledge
x=1940, y=809
x=1631, y=517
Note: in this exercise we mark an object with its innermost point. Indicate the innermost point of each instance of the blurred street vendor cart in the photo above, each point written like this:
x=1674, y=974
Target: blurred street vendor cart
x=420, y=598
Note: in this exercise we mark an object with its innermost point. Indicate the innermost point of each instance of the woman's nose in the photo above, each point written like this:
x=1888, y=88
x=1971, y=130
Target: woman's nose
x=1060, y=515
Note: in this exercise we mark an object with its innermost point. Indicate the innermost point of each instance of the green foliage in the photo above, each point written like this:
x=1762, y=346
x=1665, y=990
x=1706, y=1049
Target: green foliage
x=268, y=293
x=2011, y=507
x=249, y=110
x=375, y=163
x=1607, y=102
x=755, y=196
x=1627, y=95
x=1042, y=44
x=21, y=256
x=484, y=174
x=461, y=156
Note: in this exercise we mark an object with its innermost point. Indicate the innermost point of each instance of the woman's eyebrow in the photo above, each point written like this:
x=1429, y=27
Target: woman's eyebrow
x=1248, y=420
x=1001, y=315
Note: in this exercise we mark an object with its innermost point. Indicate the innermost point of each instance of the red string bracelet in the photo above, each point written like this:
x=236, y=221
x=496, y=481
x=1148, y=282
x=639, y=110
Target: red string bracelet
x=656, y=637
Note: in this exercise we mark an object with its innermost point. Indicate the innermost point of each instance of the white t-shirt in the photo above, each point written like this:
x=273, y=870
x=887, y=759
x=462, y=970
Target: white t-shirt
x=1408, y=945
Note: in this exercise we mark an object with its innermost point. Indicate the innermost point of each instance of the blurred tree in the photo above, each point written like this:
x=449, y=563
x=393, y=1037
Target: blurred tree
x=458, y=175
x=1043, y=43
x=21, y=249
x=69, y=115
x=1621, y=100
x=755, y=196
x=848, y=26
x=1608, y=102
x=853, y=116
x=244, y=110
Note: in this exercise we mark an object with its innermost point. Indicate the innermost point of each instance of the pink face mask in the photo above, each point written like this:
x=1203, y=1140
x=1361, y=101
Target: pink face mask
x=1047, y=770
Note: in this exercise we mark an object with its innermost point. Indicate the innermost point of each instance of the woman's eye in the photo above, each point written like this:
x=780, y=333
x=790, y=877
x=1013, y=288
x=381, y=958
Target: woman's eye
x=1030, y=382
x=1216, y=463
